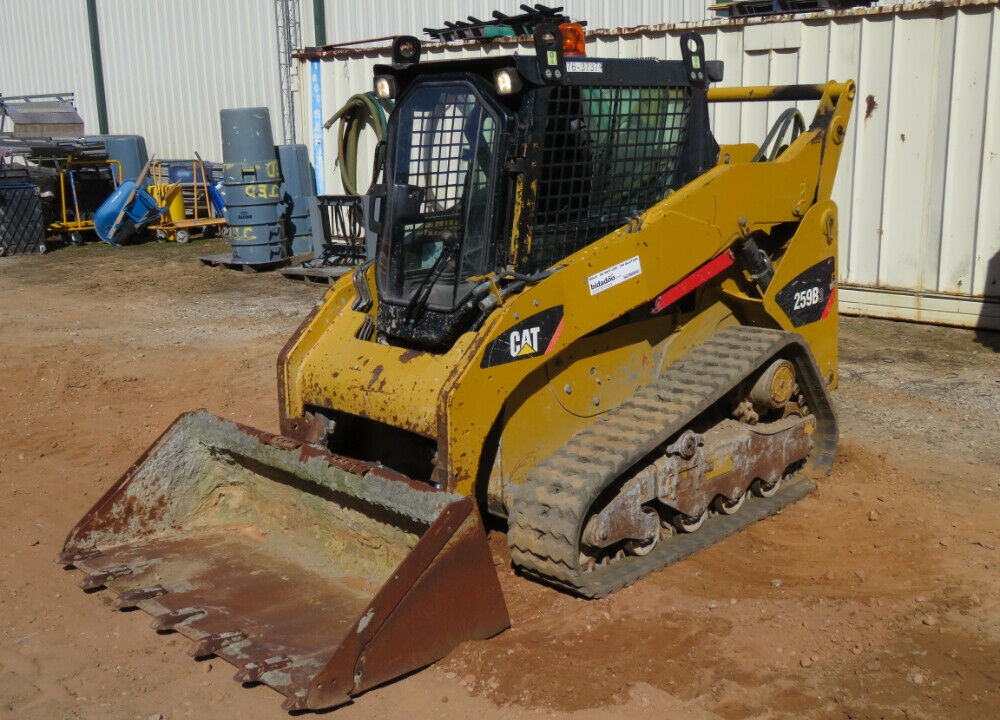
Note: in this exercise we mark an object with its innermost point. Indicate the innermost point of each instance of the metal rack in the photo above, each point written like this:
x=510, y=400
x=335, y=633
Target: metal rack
x=286, y=18
x=344, y=240
x=501, y=25
x=46, y=113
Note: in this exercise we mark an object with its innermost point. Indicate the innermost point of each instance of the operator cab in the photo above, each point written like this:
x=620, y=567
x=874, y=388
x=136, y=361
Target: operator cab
x=497, y=168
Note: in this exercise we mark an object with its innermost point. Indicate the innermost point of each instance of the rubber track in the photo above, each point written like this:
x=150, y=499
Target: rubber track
x=546, y=520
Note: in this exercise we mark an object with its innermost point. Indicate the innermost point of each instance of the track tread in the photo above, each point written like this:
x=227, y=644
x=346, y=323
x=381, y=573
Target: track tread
x=548, y=510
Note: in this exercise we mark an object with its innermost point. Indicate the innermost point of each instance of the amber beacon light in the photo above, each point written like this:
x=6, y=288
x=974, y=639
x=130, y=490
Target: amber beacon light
x=574, y=40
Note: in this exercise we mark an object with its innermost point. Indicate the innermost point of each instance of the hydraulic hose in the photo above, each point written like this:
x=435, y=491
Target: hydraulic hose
x=360, y=110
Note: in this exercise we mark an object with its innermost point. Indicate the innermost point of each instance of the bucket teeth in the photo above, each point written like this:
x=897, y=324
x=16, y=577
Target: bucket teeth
x=295, y=702
x=170, y=620
x=69, y=558
x=253, y=671
x=99, y=579
x=130, y=598
x=213, y=643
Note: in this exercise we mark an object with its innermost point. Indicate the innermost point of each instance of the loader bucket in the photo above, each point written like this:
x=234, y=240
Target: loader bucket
x=312, y=573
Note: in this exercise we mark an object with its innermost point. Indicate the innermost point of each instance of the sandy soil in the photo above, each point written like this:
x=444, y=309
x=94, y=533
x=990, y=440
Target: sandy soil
x=876, y=597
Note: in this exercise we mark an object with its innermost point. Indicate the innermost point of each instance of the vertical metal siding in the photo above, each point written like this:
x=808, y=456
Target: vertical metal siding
x=45, y=49
x=860, y=250
x=170, y=67
x=843, y=61
x=907, y=188
x=986, y=267
x=919, y=181
x=345, y=23
x=960, y=223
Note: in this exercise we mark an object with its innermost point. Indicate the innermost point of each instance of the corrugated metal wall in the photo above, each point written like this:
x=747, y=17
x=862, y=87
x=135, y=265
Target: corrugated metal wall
x=926, y=179
x=170, y=67
x=919, y=182
x=45, y=49
x=392, y=17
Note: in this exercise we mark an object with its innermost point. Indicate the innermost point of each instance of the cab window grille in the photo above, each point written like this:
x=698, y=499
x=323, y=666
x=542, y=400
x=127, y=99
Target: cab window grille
x=607, y=153
x=446, y=141
x=439, y=149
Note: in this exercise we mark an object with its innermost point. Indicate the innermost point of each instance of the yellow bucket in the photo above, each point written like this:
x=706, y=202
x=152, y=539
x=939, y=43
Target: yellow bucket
x=169, y=195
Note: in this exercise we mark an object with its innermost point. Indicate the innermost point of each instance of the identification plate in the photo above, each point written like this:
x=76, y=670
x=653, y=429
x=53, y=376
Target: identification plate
x=584, y=66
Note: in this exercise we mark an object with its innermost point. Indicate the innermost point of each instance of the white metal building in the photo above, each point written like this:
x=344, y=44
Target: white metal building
x=919, y=183
x=169, y=67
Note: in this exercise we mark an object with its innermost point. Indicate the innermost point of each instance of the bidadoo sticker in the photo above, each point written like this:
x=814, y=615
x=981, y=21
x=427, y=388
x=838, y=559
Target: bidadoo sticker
x=529, y=338
x=614, y=275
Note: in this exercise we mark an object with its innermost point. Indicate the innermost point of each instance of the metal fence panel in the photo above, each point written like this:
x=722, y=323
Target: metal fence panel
x=21, y=227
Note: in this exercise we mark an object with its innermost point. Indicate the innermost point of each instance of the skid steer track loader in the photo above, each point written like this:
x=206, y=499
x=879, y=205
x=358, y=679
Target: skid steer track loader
x=585, y=316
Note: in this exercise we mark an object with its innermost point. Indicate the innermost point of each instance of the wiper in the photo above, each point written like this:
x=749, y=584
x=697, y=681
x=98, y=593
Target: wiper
x=417, y=304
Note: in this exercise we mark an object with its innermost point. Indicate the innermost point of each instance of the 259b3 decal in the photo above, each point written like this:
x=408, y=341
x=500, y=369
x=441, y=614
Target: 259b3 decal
x=808, y=297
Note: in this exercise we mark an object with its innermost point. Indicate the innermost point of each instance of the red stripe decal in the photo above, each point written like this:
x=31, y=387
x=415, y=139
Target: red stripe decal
x=696, y=279
x=829, y=303
x=555, y=336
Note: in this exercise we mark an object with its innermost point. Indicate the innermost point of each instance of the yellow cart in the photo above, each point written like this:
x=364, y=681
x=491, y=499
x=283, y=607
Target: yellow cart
x=74, y=220
x=189, y=216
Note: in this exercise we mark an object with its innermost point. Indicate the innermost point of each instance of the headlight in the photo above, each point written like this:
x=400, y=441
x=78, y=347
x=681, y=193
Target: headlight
x=507, y=81
x=385, y=87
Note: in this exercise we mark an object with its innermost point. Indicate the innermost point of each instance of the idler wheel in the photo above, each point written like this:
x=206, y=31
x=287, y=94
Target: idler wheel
x=687, y=524
x=725, y=506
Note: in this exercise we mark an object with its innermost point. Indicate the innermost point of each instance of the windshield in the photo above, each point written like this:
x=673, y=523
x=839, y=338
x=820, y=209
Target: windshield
x=439, y=195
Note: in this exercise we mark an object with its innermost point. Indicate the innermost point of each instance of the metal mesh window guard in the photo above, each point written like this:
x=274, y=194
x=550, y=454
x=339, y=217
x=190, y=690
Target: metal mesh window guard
x=444, y=158
x=607, y=152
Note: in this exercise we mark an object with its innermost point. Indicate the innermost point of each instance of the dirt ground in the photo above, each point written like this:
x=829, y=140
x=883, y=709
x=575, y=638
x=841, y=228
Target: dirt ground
x=878, y=596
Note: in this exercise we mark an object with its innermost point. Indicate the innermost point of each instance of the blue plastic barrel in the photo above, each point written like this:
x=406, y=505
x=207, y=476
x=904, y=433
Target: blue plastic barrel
x=130, y=151
x=298, y=186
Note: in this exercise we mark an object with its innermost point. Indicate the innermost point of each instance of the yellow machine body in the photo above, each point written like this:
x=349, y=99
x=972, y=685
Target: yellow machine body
x=539, y=402
x=617, y=395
